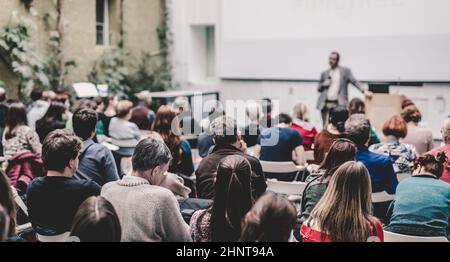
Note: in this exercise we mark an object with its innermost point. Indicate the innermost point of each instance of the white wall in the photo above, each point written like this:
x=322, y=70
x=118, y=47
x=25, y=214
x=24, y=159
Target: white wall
x=186, y=13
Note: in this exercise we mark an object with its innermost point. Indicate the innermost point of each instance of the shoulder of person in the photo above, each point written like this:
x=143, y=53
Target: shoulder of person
x=87, y=183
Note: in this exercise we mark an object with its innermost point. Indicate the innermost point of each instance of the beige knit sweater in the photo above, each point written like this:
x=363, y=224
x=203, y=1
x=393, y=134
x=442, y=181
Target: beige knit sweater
x=146, y=213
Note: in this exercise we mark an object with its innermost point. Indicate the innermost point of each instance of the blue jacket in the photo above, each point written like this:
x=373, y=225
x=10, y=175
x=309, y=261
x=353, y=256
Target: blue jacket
x=380, y=169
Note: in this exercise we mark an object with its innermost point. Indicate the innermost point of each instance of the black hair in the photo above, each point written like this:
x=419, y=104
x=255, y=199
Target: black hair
x=338, y=116
x=84, y=121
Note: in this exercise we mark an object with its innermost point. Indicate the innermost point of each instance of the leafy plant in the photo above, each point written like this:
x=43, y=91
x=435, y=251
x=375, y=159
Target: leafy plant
x=17, y=51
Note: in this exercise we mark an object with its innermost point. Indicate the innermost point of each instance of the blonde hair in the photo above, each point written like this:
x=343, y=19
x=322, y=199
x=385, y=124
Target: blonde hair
x=123, y=108
x=345, y=210
x=300, y=111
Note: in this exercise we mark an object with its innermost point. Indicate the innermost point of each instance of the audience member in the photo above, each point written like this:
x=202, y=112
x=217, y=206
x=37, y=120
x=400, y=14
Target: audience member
x=228, y=142
x=188, y=123
x=232, y=200
x=380, y=167
x=300, y=123
x=4, y=224
x=422, y=202
x=53, y=200
x=102, y=119
x=3, y=111
x=53, y=119
x=96, y=221
x=38, y=108
x=402, y=155
x=267, y=106
x=156, y=215
x=96, y=162
x=120, y=127
x=344, y=213
x=271, y=219
x=420, y=137
x=252, y=130
x=166, y=124
x=9, y=206
x=334, y=130
x=342, y=150
x=142, y=115
x=357, y=106
x=444, y=148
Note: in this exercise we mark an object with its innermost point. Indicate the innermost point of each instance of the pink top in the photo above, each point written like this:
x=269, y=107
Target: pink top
x=310, y=235
x=446, y=149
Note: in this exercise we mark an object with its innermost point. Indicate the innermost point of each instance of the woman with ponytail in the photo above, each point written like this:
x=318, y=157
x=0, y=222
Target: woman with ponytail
x=271, y=219
x=422, y=202
x=334, y=130
x=233, y=199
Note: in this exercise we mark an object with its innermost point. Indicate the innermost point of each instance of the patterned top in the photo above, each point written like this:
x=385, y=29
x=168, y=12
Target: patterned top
x=25, y=141
x=402, y=155
x=199, y=224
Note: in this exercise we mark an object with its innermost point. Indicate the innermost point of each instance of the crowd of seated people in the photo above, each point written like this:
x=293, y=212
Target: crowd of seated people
x=73, y=187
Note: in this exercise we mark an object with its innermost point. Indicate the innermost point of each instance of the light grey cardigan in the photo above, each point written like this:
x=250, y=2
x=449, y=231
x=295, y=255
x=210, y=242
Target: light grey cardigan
x=147, y=213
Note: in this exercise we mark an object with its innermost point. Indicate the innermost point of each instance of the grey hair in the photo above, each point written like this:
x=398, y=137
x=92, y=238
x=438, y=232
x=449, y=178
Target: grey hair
x=224, y=130
x=358, y=128
x=181, y=102
x=150, y=153
x=253, y=111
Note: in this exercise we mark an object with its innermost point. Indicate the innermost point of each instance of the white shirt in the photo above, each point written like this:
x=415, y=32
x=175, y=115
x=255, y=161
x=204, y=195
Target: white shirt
x=333, y=90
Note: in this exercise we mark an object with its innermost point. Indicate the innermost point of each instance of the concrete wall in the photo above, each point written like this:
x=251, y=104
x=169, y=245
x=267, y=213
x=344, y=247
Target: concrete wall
x=433, y=99
x=141, y=19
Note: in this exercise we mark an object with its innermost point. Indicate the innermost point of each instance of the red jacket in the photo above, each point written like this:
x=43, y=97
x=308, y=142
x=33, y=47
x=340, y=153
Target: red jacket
x=24, y=168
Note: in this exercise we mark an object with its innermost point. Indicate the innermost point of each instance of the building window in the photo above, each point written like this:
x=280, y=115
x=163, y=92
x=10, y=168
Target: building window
x=102, y=22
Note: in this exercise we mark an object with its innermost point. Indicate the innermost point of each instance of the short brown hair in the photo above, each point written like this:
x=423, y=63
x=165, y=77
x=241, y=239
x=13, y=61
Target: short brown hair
x=59, y=147
x=411, y=114
x=123, y=108
x=395, y=126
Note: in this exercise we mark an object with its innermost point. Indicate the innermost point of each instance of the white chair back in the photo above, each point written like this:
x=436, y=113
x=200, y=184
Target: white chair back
x=280, y=167
x=381, y=197
x=58, y=238
x=403, y=176
x=286, y=188
x=128, y=143
x=394, y=237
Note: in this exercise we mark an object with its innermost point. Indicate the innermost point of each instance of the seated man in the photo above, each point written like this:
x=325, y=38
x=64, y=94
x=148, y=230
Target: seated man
x=147, y=211
x=227, y=142
x=380, y=167
x=96, y=161
x=54, y=199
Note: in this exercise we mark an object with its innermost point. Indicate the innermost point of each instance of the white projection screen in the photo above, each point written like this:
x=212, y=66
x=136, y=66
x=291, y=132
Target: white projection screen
x=380, y=40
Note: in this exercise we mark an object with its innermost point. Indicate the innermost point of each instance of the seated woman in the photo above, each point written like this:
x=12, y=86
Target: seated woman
x=420, y=137
x=301, y=123
x=334, y=130
x=9, y=209
x=402, y=155
x=271, y=219
x=341, y=151
x=422, y=202
x=96, y=221
x=179, y=148
x=54, y=119
x=344, y=214
x=120, y=127
x=357, y=106
x=233, y=199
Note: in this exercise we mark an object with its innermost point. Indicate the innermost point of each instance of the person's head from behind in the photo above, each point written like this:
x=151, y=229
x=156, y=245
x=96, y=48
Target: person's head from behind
x=36, y=94
x=395, y=127
x=338, y=116
x=96, y=221
x=60, y=152
x=55, y=112
x=345, y=210
x=123, y=109
x=145, y=98
x=8, y=203
x=267, y=106
x=357, y=128
x=49, y=96
x=253, y=111
x=341, y=151
x=271, y=219
x=300, y=112
x=282, y=120
x=233, y=198
x=407, y=102
x=151, y=160
x=334, y=59
x=166, y=123
x=411, y=114
x=16, y=116
x=357, y=106
x=4, y=224
x=100, y=102
x=445, y=131
x=87, y=103
x=224, y=131
x=181, y=105
x=84, y=122
x=434, y=165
